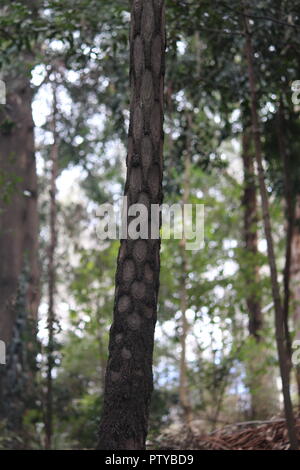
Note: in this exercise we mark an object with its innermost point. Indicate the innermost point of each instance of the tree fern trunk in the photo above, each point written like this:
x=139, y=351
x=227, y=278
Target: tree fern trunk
x=129, y=379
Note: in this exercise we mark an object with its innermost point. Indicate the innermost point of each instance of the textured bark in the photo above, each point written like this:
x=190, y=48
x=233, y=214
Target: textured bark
x=279, y=318
x=51, y=274
x=129, y=379
x=18, y=242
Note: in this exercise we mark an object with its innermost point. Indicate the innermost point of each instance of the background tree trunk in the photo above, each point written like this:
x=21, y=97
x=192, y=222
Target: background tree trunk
x=250, y=235
x=279, y=318
x=51, y=274
x=289, y=201
x=18, y=245
x=261, y=381
x=295, y=282
x=184, y=325
x=129, y=378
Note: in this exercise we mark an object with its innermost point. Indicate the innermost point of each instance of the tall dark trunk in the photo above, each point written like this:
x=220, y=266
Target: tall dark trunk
x=18, y=247
x=279, y=319
x=129, y=378
x=51, y=275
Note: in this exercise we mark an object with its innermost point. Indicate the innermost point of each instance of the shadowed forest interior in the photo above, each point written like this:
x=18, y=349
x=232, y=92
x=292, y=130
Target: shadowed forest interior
x=144, y=342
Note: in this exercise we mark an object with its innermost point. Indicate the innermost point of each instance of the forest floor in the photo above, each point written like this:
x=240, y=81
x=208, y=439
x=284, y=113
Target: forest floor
x=251, y=435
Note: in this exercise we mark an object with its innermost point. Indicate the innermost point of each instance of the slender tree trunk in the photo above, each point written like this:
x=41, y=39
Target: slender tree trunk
x=19, y=291
x=129, y=378
x=279, y=319
x=261, y=382
x=250, y=236
x=295, y=283
x=290, y=217
x=183, y=378
x=51, y=276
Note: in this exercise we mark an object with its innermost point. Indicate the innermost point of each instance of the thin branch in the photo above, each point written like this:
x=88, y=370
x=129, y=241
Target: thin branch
x=274, y=20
